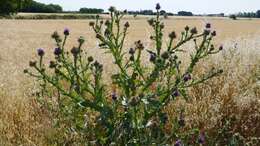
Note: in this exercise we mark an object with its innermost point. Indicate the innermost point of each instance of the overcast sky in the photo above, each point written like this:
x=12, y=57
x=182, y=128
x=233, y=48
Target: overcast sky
x=195, y=6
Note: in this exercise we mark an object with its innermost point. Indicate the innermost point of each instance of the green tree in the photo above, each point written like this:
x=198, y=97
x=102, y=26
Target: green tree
x=258, y=14
x=8, y=7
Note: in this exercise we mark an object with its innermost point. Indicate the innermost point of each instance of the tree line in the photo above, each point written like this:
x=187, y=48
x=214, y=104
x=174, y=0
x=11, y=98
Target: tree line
x=249, y=14
x=13, y=6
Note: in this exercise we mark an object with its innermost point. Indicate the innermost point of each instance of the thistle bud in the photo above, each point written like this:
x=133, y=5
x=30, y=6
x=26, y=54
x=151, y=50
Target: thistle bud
x=214, y=33
x=107, y=22
x=211, y=47
x=132, y=58
x=157, y=7
x=66, y=32
x=127, y=24
x=91, y=23
x=151, y=22
x=221, y=47
x=52, y=64
x=32, y=63
x=90, y=59
x=81, y=40
x=194, y=30
x=172, y=35
x=99, y=36
x=187, y=28
x=25, y=71
x=112, y=9
x=162, y=26
x=57, y=51
x=55, y=35
x=75, y=51
x=131, y=51
x=165, y=55
x=40, y=52
x=208, y=26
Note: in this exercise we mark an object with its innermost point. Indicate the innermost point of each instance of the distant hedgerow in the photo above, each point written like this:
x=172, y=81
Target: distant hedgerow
x=132, y=113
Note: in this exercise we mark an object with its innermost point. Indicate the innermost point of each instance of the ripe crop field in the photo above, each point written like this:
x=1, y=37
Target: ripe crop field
x=235, y=93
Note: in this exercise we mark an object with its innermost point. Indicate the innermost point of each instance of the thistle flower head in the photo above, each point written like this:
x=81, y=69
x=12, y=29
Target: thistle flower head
x=81, y=40
x=187, y=28
x=75, y=51
x=131, y=51
x=165, y=55
x=187, y=77
x=40, y=52
x=112, y=9
x=175, y=93
x=32, y=63
x=57, y=51
x=157, y=7
x=214, y=33
x=221, y=47
x=107, y=23
x=55, y=35
x=52, y=64
x=139, y=45
x=151, y=22
x=178, y=143
x=194, y=30
x=152, y=57
x=202, y=138
x=127, y=24
x=114, y=96
x=172, y=35
x=66, y=32
x=208, y=26
x=91, y=23
x=90, y=59
x=25, y=71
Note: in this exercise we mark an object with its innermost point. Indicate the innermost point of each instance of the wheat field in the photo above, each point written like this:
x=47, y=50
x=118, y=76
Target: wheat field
x=23, y=122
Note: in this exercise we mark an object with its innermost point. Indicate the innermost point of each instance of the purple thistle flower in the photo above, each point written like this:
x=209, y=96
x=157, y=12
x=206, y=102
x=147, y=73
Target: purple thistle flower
x=208, y=25
x=158, y=7
x=221, y=47
x=114, y=96
x=187, y=77
x=57, y=51
x=66, y=31
x=152, y=57
x=202, y=138
x=131, y=51
x=178, y=143
x=175, y=93
x=40, y=52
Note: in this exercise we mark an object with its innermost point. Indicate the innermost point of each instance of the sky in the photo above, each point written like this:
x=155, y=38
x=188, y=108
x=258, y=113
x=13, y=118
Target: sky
x=195, y=6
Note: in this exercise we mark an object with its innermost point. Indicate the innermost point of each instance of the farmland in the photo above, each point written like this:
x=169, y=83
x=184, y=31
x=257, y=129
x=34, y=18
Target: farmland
x=22, y=121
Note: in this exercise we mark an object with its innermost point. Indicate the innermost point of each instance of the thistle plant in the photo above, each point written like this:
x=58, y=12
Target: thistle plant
x=132, y=113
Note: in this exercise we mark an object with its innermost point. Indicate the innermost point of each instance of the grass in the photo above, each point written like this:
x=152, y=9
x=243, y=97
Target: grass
x=235, y=93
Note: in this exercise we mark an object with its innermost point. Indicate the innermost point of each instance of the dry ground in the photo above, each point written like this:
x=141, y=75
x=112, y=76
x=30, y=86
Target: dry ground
x=19, y=40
